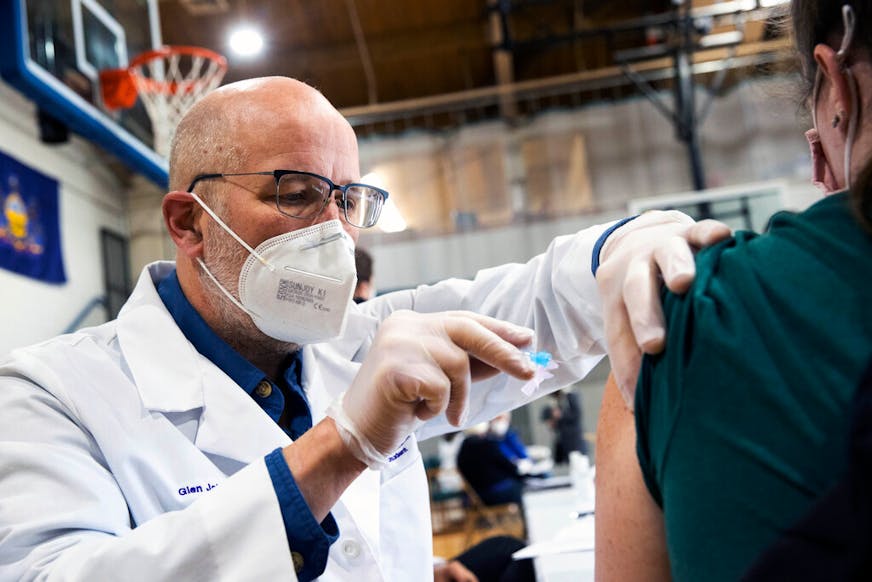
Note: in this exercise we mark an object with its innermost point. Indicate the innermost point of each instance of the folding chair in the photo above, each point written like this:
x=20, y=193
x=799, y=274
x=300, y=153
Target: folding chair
x=490, y=520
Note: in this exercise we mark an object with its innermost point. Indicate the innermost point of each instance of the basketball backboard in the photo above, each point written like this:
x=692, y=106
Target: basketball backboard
x=53, y=51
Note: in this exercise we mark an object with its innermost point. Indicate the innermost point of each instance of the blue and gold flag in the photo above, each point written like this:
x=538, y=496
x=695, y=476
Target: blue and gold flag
x=30, y=241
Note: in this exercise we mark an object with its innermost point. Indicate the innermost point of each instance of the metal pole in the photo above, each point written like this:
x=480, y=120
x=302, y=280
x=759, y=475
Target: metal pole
x=686, y=113
x=685, y=102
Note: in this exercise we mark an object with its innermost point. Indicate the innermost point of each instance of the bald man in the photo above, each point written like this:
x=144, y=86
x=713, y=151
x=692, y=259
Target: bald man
x=242, y=419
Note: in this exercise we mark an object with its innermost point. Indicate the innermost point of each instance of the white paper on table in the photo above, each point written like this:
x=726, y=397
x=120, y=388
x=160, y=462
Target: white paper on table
x=576, y=537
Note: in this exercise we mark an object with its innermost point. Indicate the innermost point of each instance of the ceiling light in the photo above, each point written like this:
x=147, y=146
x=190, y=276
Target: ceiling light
x=246, y=42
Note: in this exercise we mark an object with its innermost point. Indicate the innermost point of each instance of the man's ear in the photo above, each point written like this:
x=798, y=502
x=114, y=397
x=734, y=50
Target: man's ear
x=834, y=90
x=181, y=216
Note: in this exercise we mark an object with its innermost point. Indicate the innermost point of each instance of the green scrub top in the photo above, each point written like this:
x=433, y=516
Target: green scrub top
x=743, y=421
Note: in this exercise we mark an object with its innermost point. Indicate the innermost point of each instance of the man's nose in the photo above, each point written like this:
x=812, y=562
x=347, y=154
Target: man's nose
x=332, y=210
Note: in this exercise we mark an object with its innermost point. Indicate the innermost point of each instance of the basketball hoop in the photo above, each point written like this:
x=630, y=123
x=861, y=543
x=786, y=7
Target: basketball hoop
x=168, y=80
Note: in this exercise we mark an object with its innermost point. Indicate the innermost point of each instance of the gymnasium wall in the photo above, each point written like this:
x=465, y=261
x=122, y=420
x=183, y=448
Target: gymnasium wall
x=91, y=197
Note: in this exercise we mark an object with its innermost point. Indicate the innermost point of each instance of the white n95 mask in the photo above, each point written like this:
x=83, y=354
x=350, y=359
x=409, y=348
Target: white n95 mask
x=297, y=286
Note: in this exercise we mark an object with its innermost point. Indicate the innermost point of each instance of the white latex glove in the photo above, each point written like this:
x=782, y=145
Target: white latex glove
x=419, y=366
x=634, y=258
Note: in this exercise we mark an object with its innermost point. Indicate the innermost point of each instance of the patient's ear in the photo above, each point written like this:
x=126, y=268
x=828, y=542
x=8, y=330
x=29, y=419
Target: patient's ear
x=182, y=217
x=835, y=94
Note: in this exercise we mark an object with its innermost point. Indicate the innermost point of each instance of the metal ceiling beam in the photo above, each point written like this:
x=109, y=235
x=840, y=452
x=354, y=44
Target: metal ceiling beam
x=748, y=9
x=431, y=43
x=706, y=61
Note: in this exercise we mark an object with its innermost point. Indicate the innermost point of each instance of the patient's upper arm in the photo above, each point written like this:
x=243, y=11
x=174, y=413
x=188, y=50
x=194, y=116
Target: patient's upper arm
x=630, y=538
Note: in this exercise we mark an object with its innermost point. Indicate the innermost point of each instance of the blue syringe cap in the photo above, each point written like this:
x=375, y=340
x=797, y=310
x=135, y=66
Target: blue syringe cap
x=540, y=358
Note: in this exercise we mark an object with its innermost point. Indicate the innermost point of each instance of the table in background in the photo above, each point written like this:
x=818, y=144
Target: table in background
x=552, y=526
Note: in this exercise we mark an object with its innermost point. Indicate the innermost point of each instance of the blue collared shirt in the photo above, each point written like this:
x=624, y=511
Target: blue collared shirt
x=305, y=535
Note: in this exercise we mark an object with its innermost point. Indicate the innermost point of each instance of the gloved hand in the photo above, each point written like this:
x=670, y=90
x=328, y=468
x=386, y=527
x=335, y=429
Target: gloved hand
x=632, y=261
x=419, y=366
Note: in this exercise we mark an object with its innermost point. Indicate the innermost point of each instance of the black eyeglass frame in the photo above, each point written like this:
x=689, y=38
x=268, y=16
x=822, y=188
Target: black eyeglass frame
x=277, y=176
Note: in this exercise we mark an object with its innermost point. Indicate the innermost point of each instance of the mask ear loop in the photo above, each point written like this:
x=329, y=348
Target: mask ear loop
x=218, y=284
x=849, y=21
x=814, y=92
x=206, y=270
x=223, y=225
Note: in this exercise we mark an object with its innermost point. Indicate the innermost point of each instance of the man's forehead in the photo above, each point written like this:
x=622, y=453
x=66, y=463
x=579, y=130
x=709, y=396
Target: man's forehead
x=333, y=155
x=281, y=122
x=313, y=138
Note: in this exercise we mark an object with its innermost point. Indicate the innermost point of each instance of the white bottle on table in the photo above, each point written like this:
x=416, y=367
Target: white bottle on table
x=581, y=477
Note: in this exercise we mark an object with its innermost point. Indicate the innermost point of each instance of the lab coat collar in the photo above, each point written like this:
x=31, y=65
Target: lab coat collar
x=165, y=366
x=232, y=424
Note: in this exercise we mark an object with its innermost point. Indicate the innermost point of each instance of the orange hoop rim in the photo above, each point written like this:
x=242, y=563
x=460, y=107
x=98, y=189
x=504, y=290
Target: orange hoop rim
x=167, y=50
x=150, y=85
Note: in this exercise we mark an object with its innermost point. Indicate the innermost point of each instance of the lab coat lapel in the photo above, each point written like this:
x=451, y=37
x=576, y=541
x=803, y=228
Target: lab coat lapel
x=167, y=372
x=173, y=377
x=232, y=424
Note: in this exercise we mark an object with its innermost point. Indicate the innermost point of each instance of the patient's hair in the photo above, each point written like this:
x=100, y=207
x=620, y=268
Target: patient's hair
x=820, y=21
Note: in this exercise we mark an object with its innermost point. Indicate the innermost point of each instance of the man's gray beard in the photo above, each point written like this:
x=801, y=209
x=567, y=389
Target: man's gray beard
x=224, y=257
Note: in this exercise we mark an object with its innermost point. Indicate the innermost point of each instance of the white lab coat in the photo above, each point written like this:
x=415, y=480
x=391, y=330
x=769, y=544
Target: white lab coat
x=126, y=455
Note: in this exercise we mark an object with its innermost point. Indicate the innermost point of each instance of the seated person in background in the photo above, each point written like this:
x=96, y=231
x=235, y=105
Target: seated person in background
x=495, y=479
x=752, y=429
x=510, y=443
x=489, y=560
x=513, y=448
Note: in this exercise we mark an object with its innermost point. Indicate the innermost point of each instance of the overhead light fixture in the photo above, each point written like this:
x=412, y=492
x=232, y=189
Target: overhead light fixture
x=246, y=42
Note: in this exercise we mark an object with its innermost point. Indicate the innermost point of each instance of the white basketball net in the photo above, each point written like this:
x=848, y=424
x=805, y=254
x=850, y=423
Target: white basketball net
x=168, y=85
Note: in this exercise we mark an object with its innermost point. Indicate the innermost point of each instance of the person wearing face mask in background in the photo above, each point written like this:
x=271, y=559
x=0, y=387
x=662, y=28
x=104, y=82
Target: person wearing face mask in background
x=510, y=443
x=750, y=455
x=241, y=419
x=513, y=448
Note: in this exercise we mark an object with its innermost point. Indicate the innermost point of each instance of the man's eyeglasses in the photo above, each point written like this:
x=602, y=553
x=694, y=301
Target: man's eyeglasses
x=305, y=195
